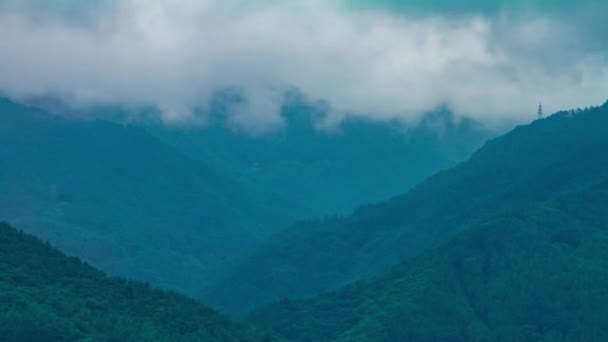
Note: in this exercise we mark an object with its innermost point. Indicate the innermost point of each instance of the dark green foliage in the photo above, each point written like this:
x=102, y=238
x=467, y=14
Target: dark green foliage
x=532, y=163
x=46, y=296
x=535, y=274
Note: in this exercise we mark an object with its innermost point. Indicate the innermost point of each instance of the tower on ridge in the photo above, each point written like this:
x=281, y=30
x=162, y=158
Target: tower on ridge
x=540, y=110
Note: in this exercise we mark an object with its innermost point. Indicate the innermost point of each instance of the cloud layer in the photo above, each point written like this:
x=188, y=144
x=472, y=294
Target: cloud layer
x=175, y=55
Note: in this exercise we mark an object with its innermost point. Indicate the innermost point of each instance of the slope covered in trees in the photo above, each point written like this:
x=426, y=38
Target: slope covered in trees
x=121, y=199
x=534, y=274
x=171, y=206
x=562, y=153
x=46, y=296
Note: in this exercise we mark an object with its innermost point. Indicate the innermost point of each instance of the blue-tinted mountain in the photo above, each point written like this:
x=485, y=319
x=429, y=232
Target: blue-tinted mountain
x=313, y=172
x=120, y=198
x=560, y=154
x=171, y=205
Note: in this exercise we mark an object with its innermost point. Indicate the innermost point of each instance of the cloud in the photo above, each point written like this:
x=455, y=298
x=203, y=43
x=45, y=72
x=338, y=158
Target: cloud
x=175, y=55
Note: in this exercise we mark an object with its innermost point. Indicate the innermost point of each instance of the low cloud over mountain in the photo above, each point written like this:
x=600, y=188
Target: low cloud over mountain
x=361, y=60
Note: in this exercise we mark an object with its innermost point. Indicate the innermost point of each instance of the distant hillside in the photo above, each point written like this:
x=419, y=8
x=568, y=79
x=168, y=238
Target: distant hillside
x=46, y=296
x=532, y=163
x=536, y=274
x=172, y=206
x=314, y=173
x=122, y=199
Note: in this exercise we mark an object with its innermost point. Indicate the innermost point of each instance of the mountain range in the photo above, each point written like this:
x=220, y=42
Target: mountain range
x=536, y=162
x=533, y=274
x=171, y=206
x=509, y=245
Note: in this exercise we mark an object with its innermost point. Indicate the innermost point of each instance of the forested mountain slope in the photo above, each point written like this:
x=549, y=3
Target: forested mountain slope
x=562, y=153
x=534, y=274
x=46, y=296
x=171, y=206
x=120, y=198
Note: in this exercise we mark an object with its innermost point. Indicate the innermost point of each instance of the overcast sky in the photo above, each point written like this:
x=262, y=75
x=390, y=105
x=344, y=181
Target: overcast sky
x=364, y=58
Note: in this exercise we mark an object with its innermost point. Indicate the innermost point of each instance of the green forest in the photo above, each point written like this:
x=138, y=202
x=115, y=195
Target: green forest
x=531, y=274
x=47, y=296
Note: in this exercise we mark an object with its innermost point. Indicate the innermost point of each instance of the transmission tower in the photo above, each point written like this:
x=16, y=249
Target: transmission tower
x=540, y=110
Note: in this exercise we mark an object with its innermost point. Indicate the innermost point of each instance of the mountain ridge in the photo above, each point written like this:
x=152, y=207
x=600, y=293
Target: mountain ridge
x=524, y=275
x=559, y=154
x=171, y=205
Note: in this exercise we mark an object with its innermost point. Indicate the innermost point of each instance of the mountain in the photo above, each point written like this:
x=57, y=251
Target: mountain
x=171, y=205
x=322, y=172
x=534, y=274
x=560, y=154
x=46, y=296
x=120, y=198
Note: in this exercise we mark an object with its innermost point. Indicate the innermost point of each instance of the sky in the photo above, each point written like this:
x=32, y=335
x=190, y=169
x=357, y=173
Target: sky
x=383, y=60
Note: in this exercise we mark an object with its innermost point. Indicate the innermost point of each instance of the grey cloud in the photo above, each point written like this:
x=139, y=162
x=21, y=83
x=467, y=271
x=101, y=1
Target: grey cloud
x=174, y=55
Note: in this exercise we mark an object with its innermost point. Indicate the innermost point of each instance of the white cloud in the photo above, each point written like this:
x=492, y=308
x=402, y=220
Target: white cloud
x=174, y=55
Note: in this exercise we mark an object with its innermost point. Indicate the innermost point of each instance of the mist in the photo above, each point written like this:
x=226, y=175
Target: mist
x=175, y=56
